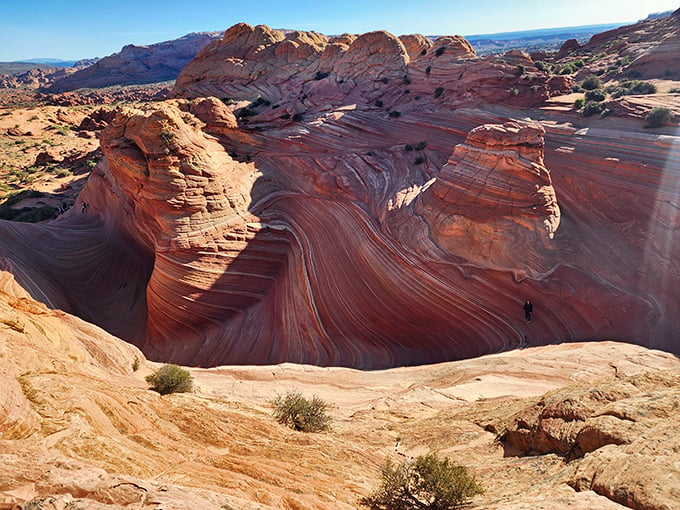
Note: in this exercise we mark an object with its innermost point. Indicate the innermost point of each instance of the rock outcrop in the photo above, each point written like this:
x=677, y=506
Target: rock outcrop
x=315, y=211
x=136, y=64
x=80, y=429
x=647, y=49
x=494, y=199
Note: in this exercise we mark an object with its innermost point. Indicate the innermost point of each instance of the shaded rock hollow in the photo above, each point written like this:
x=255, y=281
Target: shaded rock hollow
x=337, y=212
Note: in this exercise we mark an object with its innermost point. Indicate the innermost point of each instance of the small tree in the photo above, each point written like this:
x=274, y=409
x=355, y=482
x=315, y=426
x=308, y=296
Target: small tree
x=170, y=379
x=429, y=482
x=301, y=414
x=658, y=117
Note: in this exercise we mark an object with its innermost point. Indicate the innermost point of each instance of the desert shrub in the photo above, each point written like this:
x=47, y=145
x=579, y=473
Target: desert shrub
x=320, y=75
x=429, y=482
x=595, y=95
x=542, y=66
x=520, y=70
x=578, y=104
x=420, y=145
x=643, y=87
x=170, y=379
x=395, y=114
x=440, y=51
x=568, y=68
x=166, y=136
x=592, y=108
x=591, y=82
x=438, y=91
x=419, y=160
x=658, y=117
x=301, y=414
x=135, y=365
x=379, y=103
x=674, y=91
x=298, y=117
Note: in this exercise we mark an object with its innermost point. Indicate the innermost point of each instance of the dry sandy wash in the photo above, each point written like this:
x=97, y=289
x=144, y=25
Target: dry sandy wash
x=79, y=429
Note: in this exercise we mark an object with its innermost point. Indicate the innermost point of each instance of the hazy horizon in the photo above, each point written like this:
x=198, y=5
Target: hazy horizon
x=81, y=29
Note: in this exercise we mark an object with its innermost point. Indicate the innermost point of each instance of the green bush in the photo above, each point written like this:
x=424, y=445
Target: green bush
x=592, y=107
x=429, y=482
x=658, y=117
x=578, y=104
x=301, y=414
x=170, y=379
x=595, y=95
x=591, y=82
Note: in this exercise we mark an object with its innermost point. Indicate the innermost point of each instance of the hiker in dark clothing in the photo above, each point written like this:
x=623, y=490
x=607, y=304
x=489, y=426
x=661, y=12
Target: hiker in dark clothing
x=528, y=308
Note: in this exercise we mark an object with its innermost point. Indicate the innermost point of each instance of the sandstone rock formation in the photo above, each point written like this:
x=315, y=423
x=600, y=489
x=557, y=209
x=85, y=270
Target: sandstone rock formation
x=80, y=429
x=136, y=64
x=651, y=49
x=343, y=203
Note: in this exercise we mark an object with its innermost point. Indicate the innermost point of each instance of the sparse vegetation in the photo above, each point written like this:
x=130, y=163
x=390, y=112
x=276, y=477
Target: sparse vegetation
x=592, y=108
x=170, y=379
x=658, y=117
x=135, y=365
x=166, y=136
x=428, y=482
x=301, y=414
x=438, y=91
x=592, y=82
x=595, y=95
x=631, y=87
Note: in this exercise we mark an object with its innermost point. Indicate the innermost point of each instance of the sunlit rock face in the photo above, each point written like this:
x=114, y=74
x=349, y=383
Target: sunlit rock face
x=493, y=203
x=376, y=215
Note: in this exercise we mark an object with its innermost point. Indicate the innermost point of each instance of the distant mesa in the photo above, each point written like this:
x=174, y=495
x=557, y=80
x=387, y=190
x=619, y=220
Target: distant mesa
x=137, y=64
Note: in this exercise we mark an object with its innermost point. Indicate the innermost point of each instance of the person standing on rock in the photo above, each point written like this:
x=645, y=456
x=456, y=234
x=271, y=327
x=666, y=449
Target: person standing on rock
x=528, y=308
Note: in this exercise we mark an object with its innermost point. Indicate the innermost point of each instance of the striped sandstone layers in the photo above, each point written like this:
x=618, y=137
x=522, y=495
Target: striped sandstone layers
x=360, y=201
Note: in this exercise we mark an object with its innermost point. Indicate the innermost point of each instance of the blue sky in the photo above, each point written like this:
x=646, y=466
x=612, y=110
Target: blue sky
x=74, y=29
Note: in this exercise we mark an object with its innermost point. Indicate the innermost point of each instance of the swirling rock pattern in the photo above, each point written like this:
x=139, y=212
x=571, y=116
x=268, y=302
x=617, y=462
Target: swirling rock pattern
x=358, y=202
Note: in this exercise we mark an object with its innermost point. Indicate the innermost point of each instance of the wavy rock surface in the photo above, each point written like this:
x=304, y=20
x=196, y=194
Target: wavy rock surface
x=80, y=429
x=355, y=223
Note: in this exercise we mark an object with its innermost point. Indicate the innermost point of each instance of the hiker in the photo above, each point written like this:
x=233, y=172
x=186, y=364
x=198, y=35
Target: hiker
x=528, y=308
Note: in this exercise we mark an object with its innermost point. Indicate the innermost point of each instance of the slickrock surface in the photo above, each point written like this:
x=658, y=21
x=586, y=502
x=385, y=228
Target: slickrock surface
x=136, y=64
x=316, y=212
x=79, y=429
x=651, y=49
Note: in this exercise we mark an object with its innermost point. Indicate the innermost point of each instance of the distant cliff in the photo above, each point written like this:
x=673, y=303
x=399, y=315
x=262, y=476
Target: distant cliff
x=137, y=64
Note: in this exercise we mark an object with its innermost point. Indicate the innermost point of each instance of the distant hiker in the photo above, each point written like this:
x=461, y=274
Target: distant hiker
x=85, y=206
x=528, y=308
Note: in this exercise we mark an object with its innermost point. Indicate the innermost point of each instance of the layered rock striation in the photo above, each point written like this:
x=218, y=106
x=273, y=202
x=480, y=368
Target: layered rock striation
x=363, y=201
